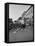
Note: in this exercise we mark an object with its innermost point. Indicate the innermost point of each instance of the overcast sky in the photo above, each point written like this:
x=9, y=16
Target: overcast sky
x=15, y=11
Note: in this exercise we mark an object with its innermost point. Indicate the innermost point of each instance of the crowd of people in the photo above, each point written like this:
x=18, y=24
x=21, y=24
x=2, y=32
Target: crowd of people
x=15, y=25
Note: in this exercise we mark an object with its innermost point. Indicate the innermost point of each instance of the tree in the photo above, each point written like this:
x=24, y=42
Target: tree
x=10, y=23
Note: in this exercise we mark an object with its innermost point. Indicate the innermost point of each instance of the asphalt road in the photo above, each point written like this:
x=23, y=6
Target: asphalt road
x=21, y=34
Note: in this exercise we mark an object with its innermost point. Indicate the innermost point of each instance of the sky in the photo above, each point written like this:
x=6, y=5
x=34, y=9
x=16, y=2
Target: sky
x=15, y=11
